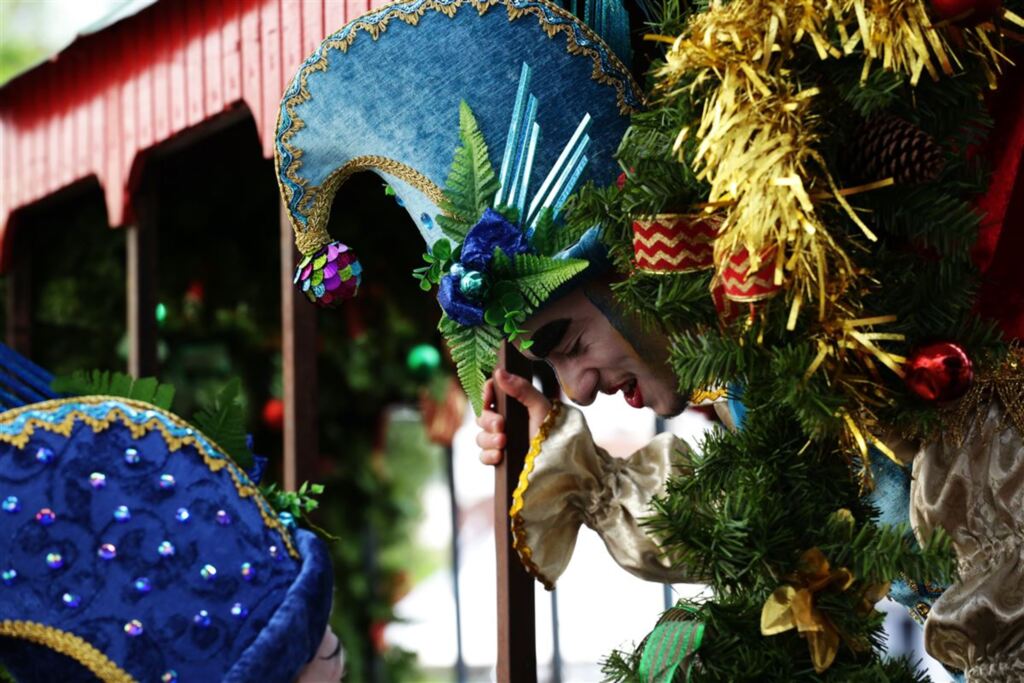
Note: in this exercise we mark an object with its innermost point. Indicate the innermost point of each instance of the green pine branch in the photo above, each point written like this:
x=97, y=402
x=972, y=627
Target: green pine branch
x=107, y=383
x=471, y=183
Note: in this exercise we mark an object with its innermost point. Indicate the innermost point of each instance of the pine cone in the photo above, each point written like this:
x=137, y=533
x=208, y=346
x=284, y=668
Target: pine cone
x=891, y=147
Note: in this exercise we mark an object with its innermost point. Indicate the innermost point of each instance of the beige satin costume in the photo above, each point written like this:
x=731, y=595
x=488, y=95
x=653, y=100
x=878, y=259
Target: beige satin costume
x=974, y=489
x=568, y=481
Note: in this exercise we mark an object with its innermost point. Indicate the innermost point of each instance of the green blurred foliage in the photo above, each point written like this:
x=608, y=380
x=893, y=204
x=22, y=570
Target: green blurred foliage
x=17, y=50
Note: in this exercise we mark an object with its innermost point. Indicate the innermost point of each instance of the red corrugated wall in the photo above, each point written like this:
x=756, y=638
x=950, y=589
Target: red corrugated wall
x=95, y=107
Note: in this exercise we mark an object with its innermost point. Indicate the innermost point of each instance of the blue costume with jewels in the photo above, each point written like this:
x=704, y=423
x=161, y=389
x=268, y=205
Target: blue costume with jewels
x=134, y=549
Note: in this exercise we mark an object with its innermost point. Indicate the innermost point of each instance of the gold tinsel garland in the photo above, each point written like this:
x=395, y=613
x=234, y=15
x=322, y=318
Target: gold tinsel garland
x=756, y=142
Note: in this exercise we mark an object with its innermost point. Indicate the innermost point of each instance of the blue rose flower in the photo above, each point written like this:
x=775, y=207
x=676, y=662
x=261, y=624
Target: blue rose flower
x=456, y=305
x=492, y=230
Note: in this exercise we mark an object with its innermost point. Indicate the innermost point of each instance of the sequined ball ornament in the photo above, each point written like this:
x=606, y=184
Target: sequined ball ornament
x=330, y=275
x=939, y=372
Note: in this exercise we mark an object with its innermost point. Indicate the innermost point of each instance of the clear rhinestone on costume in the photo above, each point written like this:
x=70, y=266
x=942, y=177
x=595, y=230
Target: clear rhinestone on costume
x=142, y=585
x=169, y=676
x=239, y=610
x=166, y=549
x=71, y=600
x=248, y=571
x=45, y=455
x=223, y=518
x=8, y=576
x=202, y=618
x=107, y=551
x=208, y=572
x=133, y=628
x=122, y=513
x=131, y=456
x=54, y=560
x=11, y=504
x=97, y=480
x=46, y=516
x=166, y=482
x=182, y=515
x=275, y=552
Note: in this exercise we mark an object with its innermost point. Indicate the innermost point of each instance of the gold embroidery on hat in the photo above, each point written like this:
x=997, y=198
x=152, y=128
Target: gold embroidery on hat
x=68, y=644
x=245, y=488
x=314, y=235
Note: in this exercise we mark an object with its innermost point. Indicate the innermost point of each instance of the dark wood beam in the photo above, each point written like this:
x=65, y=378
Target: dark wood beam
x=141, y=283
x=298, y=368
x=517, y=641
x=18, y=323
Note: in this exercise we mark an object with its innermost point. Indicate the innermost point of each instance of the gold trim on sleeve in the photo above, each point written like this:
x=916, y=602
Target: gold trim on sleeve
x=68, y=644
x=515, y=512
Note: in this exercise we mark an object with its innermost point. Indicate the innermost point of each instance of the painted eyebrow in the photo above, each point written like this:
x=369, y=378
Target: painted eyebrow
x=548, y=337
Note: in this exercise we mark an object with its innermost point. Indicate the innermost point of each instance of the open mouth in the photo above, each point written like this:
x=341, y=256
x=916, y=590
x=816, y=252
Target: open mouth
x=631, y=392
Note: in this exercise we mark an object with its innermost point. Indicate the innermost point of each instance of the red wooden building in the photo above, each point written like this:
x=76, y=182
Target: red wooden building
x=155, y=74
x=159, y=75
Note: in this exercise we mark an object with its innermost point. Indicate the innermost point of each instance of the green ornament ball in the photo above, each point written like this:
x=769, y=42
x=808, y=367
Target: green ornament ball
x=473, y=285
x=423, y=360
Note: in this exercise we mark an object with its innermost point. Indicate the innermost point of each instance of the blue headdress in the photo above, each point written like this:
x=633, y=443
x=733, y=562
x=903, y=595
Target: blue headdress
x=400, y=91
x=133, y=549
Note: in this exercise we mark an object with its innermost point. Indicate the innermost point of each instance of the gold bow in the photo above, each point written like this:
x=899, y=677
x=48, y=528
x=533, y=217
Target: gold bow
x=792, y=606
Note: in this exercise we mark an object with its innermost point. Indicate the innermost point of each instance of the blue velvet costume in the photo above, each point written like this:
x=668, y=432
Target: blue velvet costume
x=132, y=548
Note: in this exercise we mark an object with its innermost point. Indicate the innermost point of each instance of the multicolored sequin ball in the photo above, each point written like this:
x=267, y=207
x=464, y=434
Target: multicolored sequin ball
x=330, y=275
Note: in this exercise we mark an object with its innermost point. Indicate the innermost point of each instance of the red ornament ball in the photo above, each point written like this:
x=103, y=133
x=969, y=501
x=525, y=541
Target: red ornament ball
x=966, y=12
x=273, y=414
x=939, y=372
x=620, y=182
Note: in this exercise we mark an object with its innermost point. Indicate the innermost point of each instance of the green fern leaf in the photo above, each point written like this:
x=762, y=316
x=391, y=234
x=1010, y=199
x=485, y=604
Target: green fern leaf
x=475, y=352
x=471, y=183
x=106, y=383
x=538, y=276
x=223, y=421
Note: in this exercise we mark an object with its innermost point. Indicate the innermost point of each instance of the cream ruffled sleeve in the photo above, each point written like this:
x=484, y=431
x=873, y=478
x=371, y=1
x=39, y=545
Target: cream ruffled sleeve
x=975, y=491
x=567, y=481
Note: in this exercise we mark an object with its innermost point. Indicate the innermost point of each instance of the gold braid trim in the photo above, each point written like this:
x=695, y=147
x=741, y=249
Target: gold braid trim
x=515, y=512
x=702, y=395
x=308, y=241
x=315, y=234
x=245, y=488
x=67, y=644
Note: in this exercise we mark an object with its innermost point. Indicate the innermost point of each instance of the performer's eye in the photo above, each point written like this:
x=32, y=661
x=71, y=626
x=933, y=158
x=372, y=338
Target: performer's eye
x=548, y=337
x=577, y=348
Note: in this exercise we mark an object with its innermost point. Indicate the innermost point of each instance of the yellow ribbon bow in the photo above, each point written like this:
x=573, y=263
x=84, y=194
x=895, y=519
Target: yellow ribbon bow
x=792, y=605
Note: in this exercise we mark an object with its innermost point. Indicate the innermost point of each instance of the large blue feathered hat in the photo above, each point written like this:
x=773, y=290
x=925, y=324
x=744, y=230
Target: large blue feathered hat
x=133, y=549
x=483, y=116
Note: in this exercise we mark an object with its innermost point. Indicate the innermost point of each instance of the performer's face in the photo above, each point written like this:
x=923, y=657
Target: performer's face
x=593, y=347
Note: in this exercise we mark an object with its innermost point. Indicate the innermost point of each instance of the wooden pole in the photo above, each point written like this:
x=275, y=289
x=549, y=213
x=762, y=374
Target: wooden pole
x=18, y=332
x=141, y=281
x=517, y=642
x=298, y=368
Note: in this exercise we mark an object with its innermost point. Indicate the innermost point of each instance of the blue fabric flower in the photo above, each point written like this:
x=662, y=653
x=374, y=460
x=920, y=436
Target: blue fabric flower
x=456, y=305
x=492, y=230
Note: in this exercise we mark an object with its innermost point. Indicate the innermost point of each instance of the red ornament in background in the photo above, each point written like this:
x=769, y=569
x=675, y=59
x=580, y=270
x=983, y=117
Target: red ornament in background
x=620, y=182
x=196, y=292
x=939, y=372
x=273, y=414
x=966, y=12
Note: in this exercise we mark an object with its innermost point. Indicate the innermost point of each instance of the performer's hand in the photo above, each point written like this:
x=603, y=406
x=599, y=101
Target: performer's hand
x=491, y=438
